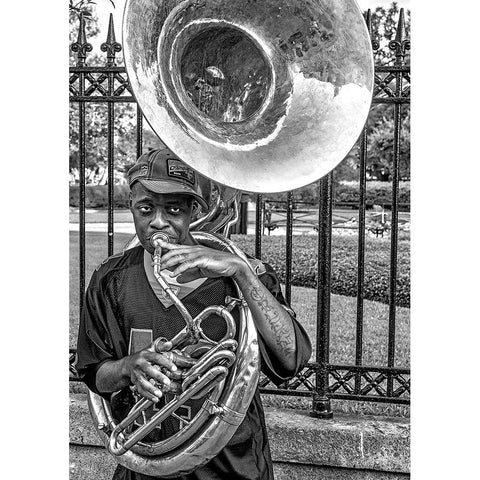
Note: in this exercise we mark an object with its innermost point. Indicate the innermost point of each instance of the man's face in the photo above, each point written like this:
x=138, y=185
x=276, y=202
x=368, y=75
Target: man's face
x=156, y=212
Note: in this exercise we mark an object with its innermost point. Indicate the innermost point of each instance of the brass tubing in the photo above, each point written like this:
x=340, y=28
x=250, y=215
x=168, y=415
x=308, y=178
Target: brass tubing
x=221, y=311
x=212, y=360
x=206, y=362
x=204, y=367
x=188, y=430
x=215, y=374
x=164, y=285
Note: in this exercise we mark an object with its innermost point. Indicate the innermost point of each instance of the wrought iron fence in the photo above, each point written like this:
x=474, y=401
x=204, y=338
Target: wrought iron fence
x=321, y=380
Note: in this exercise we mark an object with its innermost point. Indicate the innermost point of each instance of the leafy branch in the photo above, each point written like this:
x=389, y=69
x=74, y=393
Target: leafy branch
x=82, y=7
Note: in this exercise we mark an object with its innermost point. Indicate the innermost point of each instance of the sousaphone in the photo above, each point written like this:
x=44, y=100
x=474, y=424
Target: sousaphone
x=259, y=96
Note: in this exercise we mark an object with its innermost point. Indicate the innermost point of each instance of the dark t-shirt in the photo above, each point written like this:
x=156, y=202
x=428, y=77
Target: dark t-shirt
x=122, y=315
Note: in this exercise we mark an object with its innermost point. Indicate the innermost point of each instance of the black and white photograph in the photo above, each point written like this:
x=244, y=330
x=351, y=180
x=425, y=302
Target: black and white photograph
x=260, y=245
x=240, y=239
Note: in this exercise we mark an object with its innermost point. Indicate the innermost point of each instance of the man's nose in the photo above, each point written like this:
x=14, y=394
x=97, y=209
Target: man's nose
x=159, y=220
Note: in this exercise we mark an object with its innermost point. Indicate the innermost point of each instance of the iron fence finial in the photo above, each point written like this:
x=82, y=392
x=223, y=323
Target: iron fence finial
x=81, y=46
x=401, y=44
x=111, y=46
x=368, y=21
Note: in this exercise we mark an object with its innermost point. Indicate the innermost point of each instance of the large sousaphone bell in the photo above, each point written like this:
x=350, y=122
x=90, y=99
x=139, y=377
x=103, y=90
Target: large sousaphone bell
x=263, y=96
x=260, y=96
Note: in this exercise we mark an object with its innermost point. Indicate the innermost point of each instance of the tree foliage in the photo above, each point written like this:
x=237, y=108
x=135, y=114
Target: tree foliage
x=96, y=134
x=381, y=146
x=380, y=121
x=96, y=114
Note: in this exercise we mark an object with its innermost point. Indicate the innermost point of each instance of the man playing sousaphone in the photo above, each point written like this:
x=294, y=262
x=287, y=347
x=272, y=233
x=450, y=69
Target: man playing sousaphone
x=125, y=311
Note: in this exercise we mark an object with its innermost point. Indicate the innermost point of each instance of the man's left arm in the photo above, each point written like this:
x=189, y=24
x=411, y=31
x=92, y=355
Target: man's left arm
x=273, y=322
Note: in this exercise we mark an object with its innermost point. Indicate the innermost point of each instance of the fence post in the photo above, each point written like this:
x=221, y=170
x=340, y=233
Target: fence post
x=321, y=407
x=81, y=47
x=399, y=46
x=259, y=226
x=111, y=47
x=288, y=249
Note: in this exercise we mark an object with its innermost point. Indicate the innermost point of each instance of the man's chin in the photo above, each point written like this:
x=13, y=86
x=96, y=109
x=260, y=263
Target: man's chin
x=147, y=246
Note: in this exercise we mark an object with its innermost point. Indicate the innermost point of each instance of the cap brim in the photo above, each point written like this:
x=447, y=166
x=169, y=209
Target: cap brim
x=174, y=188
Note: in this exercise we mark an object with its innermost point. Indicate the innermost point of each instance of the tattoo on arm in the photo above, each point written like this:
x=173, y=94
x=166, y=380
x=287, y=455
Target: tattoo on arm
x=282, y=334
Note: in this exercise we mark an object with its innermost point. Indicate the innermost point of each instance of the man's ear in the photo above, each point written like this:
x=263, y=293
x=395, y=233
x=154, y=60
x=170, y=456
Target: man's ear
x=195, y=210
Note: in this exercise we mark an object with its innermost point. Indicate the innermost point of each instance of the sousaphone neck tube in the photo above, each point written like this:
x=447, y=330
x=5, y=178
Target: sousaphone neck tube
x=155, y=241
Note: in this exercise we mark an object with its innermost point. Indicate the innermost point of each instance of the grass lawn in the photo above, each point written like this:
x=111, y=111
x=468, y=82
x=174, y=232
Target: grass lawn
x=342, y=328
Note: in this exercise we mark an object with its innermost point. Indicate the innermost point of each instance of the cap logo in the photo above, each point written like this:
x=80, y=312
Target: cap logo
x=179, y=170
x=141, y=172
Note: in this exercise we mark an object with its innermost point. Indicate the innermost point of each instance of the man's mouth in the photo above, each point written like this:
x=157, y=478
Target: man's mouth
x=163, y=236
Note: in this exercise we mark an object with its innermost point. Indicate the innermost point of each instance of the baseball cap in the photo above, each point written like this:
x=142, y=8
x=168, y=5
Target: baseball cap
x=161, y=171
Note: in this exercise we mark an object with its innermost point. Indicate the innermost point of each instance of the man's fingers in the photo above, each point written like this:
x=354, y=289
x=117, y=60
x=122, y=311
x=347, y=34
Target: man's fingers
x=171, y=360
x=189, y=276
x=148, y=390
x=175, y=388
x=169, y=245
x=182, y=360
x=156, y=374
x=184, y=267
x=162, y=345
x=164, y=359
x=171, y=249
x=184, y=252
x=175, y=257
x=174, y=375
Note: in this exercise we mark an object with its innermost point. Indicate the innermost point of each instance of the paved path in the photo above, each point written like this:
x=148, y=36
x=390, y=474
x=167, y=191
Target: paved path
x=304, y=221
x=103, y=227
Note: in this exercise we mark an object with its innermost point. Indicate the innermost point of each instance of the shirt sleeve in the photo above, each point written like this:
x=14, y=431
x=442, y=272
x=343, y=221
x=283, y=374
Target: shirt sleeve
x=270, y=366
x=97, y=329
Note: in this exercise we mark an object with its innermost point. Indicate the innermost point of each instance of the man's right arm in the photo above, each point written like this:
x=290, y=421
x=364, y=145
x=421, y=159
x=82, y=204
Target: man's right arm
x=140, y=368
x=101, y=348
x=136, y=369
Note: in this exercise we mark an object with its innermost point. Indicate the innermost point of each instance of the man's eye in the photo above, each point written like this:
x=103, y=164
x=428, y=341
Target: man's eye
x=174, y=210
x=145, y=209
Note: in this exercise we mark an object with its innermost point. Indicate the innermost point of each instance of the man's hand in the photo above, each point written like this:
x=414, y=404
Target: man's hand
x=195, y=261
x=157, y=369
x=153, y=371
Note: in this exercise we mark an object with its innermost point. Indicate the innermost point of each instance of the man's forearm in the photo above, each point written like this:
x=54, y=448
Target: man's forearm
x=271, y=319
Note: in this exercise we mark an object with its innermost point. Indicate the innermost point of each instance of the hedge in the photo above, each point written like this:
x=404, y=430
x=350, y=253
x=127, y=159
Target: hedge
x=96, y=196
x=377, y=193
x=344, y=264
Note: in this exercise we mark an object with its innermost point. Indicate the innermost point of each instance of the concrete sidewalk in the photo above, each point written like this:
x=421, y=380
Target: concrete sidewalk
x=126, y=227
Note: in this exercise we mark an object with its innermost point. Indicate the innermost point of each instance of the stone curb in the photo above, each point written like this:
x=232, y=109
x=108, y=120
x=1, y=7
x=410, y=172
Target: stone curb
x=348, y=441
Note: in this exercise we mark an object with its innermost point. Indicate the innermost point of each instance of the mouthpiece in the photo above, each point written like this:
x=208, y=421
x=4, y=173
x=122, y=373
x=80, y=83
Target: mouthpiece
x=157, y=237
